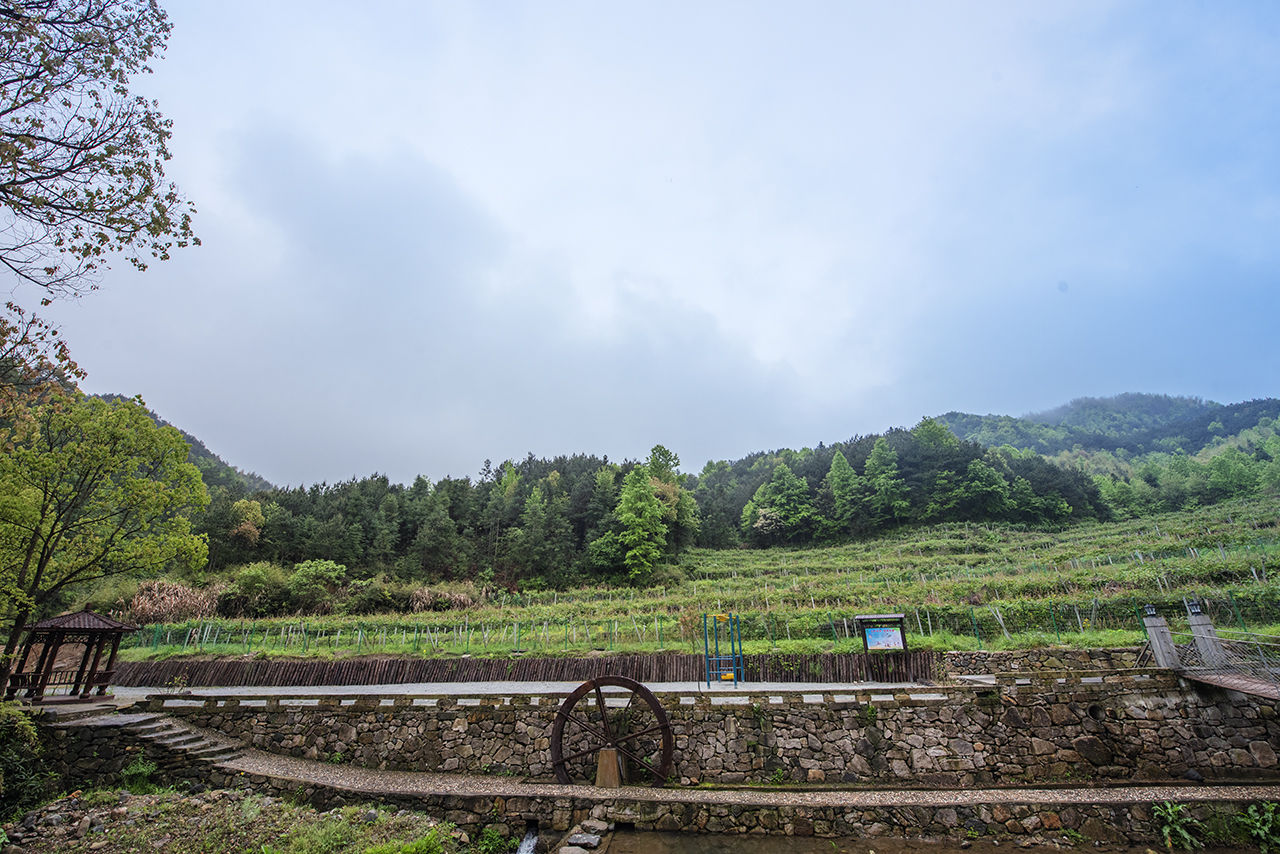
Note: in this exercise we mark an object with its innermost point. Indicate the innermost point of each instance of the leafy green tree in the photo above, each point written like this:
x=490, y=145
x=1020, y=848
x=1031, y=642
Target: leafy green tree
x=386, y=531
x=247, y=520
x=984, y=493
x=781, y=511
x=1230, y=474
x=313, y=585
x=81, y=157
x=438, y=549
x=843, y=497
x=1269, y=469
x=642, y=532
x=934, y=435
x=540, y=546
x=90, y=490
x=604, y=498
x=680, y=510
x=663, y=464
x=887, y=498
x=503, y=507
x=260, y=589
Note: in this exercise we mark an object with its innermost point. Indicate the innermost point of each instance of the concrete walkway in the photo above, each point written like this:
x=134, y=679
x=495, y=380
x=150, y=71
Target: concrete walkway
x=369, y=783
x=519, y=689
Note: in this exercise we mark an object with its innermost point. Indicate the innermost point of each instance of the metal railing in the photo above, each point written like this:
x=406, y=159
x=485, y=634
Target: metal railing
x=1230, y=652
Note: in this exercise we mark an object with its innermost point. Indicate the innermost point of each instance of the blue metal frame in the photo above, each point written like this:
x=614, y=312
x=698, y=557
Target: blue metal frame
x=720, y=666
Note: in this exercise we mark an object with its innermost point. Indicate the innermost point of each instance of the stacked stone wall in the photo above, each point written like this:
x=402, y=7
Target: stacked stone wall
x=1049, y=728
x=985, y=661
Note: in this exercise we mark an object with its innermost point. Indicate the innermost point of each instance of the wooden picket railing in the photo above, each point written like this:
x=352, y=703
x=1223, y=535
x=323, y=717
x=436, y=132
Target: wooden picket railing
x=896, y=667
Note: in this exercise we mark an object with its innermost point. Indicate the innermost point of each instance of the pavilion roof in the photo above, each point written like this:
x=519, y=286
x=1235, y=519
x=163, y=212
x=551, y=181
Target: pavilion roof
x=82, y=621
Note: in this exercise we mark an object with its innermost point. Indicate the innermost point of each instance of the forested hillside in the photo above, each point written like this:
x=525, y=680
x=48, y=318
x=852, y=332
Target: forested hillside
x=1129, y=424
x=583, y=519
x=1148, y=453
x=217, y=472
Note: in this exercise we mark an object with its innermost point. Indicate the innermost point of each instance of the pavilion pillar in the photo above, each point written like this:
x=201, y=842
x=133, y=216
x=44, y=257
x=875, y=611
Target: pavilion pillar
x=34, y=682
x=12, y=689
x=99, y=642
x=51, y=655
x=111, y=661
x=90, y=644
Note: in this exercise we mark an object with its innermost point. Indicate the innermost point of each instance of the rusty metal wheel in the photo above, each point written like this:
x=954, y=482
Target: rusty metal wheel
x=617, y=712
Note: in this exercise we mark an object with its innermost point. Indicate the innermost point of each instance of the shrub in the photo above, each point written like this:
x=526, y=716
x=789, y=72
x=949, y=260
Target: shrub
x=1176, y=827
x=164, y=601
x=491, y=841
x=24, y=781
x=377, y=596
x=137, y=775
x=313, y=585
x=426, y=599
x=1262, y=823
x=260, y=590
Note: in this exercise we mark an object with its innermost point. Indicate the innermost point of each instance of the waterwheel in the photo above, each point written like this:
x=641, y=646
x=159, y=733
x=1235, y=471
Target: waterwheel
x=606, y=714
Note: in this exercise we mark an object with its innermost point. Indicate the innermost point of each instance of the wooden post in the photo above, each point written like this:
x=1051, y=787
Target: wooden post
x=111, y=663
x=608, y=768
x=90, y=643
x=55, y=641
x=97, y=657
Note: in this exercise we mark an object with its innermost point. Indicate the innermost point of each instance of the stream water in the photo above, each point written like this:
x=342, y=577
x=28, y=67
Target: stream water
x=529, y=843
x=699, y=843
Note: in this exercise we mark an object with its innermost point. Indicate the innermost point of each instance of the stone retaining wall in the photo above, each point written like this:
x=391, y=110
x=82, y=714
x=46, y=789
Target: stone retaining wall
x=95, y=754
x=1030, y=660
x=1068, y=726
x=1123, y=823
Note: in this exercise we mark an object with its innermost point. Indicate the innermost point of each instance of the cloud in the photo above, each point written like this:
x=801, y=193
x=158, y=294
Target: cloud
x=486, y=231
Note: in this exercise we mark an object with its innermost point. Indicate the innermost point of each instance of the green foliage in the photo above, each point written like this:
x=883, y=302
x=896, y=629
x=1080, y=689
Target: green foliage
x=1261, y=823
x=432, y=843
x=137, y=775
x=258, y=590
x=312, y=585
x=493, y=841
x=378, y=595
x=1075, y=587
x=24, y=781
x=643, y=532
x=887, y=492
x=1177, y=828
x=781, y=510
x=82, y=156
x=90, y=490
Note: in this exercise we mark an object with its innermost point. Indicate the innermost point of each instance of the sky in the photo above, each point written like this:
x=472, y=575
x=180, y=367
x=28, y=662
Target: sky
x=440, y=233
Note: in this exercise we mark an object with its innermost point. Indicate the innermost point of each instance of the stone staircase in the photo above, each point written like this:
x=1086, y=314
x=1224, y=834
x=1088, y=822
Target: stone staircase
x=100, y=739
x=183, y=740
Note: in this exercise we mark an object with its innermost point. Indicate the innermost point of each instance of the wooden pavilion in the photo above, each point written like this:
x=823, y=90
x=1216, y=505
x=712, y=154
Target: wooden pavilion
x=83, y=627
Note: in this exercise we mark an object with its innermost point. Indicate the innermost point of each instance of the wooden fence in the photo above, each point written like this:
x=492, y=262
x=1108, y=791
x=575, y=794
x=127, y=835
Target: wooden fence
x=915, y=667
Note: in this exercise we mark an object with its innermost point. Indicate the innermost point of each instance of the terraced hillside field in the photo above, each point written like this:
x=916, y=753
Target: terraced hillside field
x=960, y=587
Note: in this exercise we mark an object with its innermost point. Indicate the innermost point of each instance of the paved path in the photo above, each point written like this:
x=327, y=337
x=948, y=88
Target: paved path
x=371, y=783
x=463, y=689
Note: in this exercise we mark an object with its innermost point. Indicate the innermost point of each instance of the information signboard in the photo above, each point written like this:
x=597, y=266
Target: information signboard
x=882, y=631
x=884, y=637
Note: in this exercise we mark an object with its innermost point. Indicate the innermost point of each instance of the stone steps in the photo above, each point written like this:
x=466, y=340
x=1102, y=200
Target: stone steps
x=183, y=741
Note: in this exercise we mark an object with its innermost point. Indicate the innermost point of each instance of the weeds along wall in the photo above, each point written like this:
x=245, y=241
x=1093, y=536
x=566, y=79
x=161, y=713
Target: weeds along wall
x=1050, y=727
